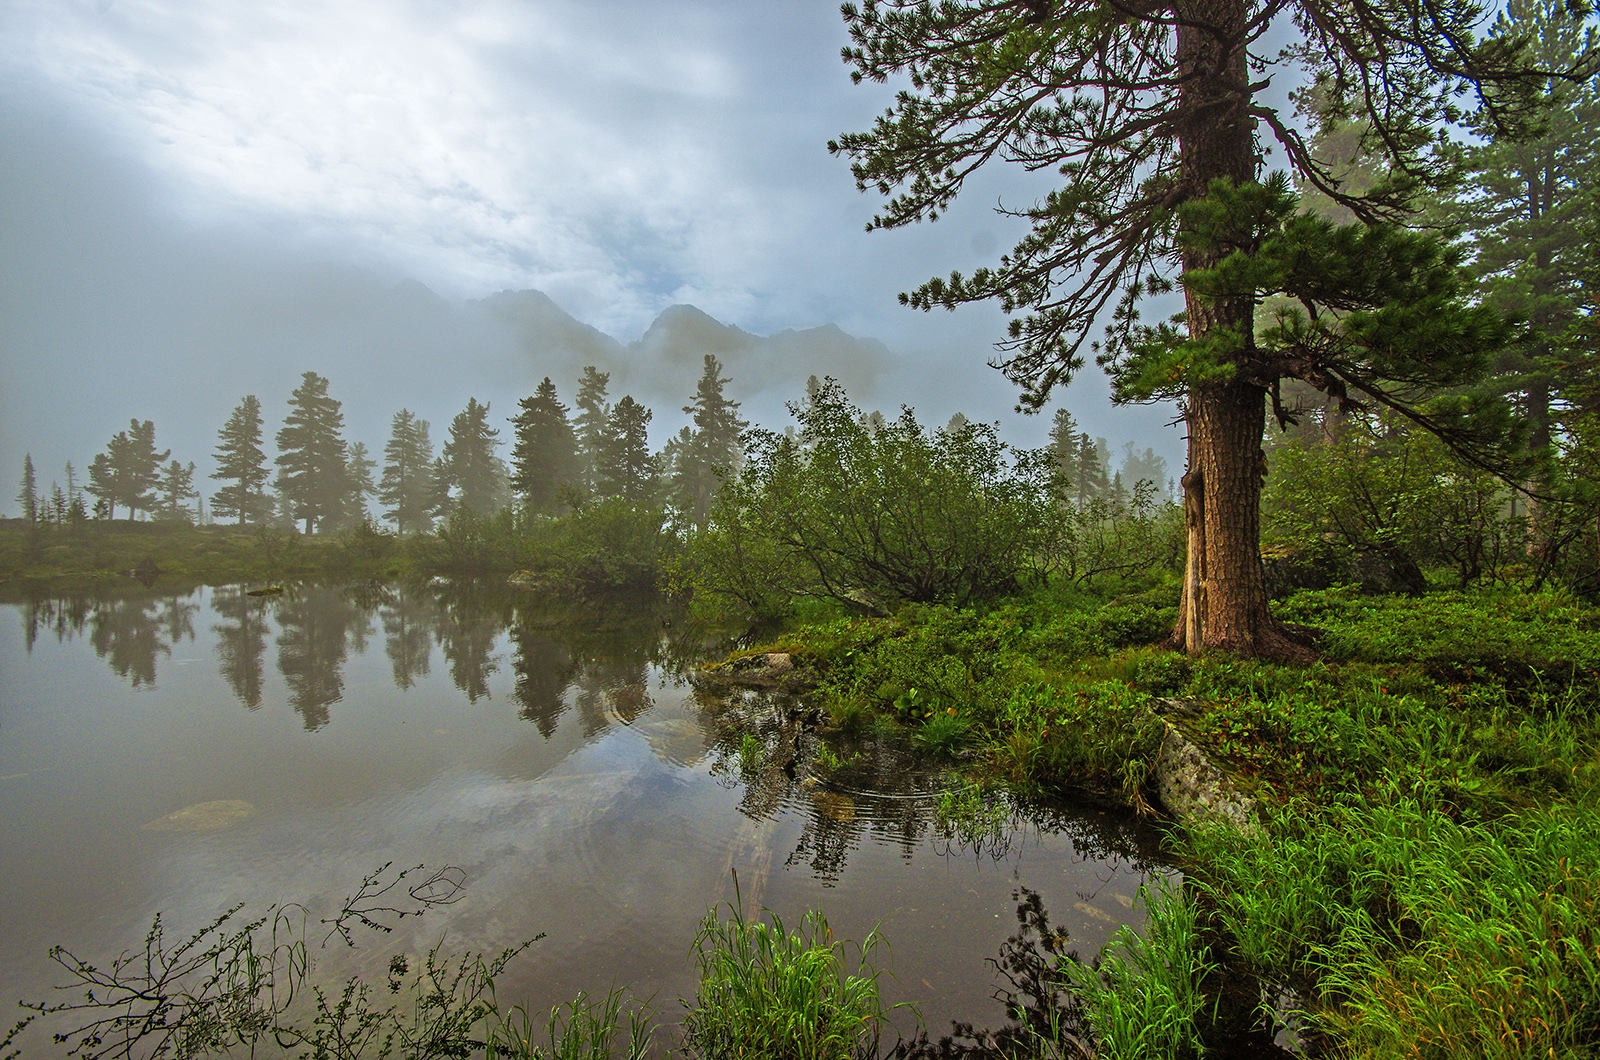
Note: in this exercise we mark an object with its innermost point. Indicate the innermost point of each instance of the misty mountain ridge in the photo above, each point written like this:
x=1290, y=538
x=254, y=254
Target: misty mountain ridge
x=663, y=363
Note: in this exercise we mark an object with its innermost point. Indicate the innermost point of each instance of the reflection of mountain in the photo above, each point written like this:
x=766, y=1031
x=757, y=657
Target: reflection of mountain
x=241, y=642
x=316, y=626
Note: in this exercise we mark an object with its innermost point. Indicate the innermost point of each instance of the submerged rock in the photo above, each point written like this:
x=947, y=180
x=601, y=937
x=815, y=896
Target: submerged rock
x=203, y=817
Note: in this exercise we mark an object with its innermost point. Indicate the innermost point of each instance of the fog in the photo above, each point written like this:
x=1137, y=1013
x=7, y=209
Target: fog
x=426, y=203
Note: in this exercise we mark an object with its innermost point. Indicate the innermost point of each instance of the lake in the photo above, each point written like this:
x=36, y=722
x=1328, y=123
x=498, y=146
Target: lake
x=560, y=760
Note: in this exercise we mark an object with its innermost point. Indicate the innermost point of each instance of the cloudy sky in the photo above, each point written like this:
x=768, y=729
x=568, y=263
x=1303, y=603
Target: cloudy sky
x=193, y=193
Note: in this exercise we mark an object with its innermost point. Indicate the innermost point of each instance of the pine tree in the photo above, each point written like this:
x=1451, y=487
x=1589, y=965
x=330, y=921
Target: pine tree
x=626, y=469
x=311, y=455
x=128, y=470
x=407, y=489
x=1151, y=115
x=241, y=459
x=714, y=447
x=1064, y=447
x=1524, y=206
x=590, y=424
x=174, y=488
x=358, y=483
x=468, y=460
x=28, y=495
x=544, y=457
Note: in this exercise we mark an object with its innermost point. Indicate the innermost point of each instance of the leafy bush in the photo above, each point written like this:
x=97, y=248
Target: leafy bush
x=1387, y=488
x=869, y=513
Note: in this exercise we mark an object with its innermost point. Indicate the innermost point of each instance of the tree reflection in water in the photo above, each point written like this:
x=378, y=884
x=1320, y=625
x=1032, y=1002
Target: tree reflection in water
x=409, y=617
x=127, y=634
x=317, y=626
x=241, y=641
x=470, y=619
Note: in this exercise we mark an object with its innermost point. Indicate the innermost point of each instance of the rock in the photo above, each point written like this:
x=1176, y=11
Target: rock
x=1196, y=790
x=203, y=817
x=775, y=669
x=1387, y=571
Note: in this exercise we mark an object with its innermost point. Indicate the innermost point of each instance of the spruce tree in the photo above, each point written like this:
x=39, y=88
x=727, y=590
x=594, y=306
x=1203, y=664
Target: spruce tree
x=407, y=489
x=128, y=470
x=241, y=461
x=358, y=483
x=1523, y=208
x=714, y=448
x=1151, y=115
x=590, y=424
x=175, y=487
x=28, y=495
x=626, y=468
x=468, y=460
x=544, y=457
x=311, y=455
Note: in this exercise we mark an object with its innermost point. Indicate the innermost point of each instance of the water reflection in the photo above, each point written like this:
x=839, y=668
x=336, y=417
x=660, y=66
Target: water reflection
x=409, y=617
x=241, y=642
x=557, y=759
x=317, y=625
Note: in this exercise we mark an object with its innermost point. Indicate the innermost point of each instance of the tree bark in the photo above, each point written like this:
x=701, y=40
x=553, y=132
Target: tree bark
x=1225, y=599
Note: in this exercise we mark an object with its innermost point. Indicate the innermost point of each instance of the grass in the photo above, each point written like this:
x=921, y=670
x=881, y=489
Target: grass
x=1428, y=883
x=766, y=991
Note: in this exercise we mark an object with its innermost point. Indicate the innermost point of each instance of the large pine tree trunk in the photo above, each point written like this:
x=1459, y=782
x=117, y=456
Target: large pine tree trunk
x=1225, y=599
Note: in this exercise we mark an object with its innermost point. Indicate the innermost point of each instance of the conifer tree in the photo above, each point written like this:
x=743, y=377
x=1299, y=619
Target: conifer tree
x=468, y=463
x=1523, y=208
x=311, y=455
x=714, y=447
x=242, y=462
x=176, y=486
x=358, y=483
x=1151, y=114
x=590, y=424
x=407, y=489
x=28, y=495
x=544, y=457
x=626, y=468
x=128, y=470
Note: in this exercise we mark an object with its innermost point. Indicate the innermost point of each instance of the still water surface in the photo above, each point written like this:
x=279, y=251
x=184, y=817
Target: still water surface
x=563, y=763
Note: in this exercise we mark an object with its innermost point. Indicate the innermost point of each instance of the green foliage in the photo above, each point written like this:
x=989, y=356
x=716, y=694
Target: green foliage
x=583, y=1029
x=1142, y=995
x=468, y=464
x=1385, y=488
x=865, y=514
x=711, y=451
x=544, y=457
x=768, y=992
x=624, y=468
x=241, y=460
x=407, y=487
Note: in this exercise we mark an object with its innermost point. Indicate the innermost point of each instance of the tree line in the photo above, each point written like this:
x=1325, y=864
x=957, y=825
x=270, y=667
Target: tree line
x=323, y=482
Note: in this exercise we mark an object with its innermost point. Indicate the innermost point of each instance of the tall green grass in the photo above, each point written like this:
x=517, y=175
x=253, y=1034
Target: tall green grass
x=766, y=991
x=1142, y=995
